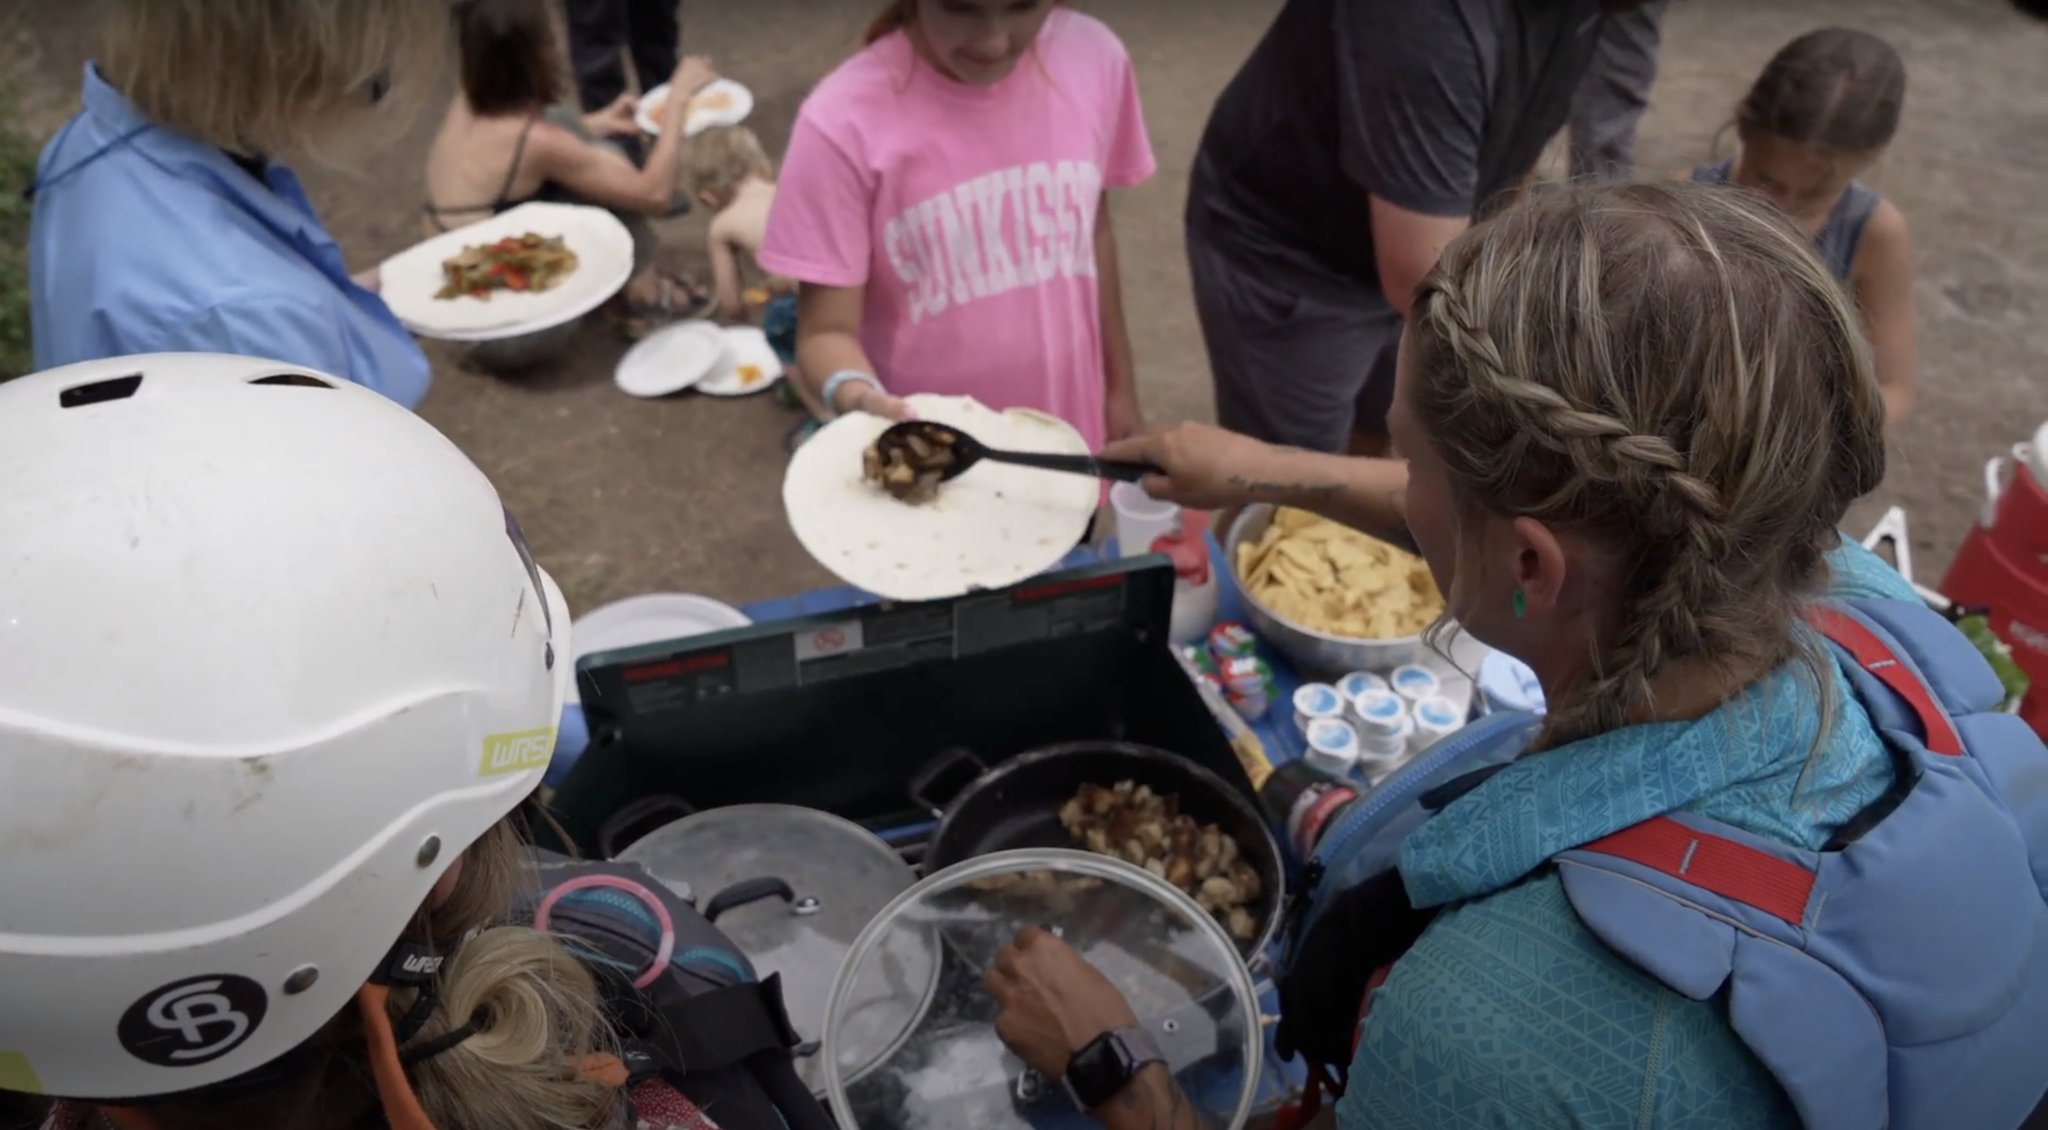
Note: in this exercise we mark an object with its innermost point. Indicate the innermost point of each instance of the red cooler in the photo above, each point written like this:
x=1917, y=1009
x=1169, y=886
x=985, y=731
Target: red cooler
x=2003, y=565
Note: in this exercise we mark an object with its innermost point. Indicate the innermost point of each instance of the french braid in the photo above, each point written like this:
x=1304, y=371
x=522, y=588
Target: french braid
x=1669, y=368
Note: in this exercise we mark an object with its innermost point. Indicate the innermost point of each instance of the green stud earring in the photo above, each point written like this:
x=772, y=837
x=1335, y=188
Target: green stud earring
x=1521, y=604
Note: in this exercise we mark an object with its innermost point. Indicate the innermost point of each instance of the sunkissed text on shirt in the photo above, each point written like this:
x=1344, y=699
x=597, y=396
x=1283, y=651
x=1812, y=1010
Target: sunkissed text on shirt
x=1012, y=228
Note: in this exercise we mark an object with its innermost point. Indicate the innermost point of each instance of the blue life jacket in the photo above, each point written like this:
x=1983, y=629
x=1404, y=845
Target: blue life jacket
x=1897, y=979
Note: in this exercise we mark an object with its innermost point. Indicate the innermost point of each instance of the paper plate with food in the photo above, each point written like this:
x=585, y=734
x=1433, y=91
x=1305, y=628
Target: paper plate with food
x=993, y=526
x=722, y=102
x=748, y=365
x=532, y=268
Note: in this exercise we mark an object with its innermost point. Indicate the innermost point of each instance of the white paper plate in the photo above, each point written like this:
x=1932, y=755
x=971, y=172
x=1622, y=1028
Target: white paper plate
x=991, y=527
x=672, y=359
x=604, y=253
x=653, y=618
x=738, y=103
x=749, y=365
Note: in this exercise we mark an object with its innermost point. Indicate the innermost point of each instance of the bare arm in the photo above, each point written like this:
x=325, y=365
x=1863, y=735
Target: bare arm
x=1212, y=469
x=725, y=272
x=1406, y=245
x=1365, y=494
x=1118, y=370
x=602, y=176
x=828, y=342
x=1882, y=278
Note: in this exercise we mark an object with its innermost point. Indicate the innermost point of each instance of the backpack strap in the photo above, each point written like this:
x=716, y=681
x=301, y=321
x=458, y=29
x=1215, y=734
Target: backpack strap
x=1778, y=887
x=1875, y=655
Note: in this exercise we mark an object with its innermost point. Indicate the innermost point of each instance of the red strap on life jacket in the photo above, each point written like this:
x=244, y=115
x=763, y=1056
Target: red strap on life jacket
x=1757, y=878
x=1710, y=862
x=1874, y=656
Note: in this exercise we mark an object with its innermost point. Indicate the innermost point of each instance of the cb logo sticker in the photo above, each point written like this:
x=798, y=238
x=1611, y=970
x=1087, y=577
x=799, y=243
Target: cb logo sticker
x=516, y=753
x=194, y=1021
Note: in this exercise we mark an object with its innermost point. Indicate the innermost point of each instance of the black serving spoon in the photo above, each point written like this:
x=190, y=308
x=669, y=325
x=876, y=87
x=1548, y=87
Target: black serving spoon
x=966, y=451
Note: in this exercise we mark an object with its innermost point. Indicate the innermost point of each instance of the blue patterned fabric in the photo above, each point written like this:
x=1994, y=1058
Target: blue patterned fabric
x=1508, y=1013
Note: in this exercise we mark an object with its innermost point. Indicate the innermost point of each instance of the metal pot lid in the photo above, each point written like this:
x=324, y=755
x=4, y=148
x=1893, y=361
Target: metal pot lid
x=838, y=876
x=948, y=1070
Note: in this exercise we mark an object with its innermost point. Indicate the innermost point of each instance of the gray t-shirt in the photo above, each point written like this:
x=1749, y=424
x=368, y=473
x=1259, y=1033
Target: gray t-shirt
x=1437, y=106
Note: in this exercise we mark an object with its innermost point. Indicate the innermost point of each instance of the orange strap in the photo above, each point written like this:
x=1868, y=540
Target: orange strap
x=402, y=1108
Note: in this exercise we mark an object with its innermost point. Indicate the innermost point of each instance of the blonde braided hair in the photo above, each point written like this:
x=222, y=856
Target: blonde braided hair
x=1671, y=370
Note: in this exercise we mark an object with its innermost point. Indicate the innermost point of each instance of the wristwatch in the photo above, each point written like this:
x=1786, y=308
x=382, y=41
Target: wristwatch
x=1108, y=1064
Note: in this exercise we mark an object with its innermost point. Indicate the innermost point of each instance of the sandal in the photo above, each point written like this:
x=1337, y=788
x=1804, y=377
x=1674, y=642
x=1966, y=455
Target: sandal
x=676, y=300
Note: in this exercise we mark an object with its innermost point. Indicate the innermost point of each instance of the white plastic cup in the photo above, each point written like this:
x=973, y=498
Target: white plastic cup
x=1140, y=519
x=1359, y=682
x=1378, y=757
x=1315, y=701
x=1435, y=717
x=1332, y=746
x=1414, y=682
x=1382, y=720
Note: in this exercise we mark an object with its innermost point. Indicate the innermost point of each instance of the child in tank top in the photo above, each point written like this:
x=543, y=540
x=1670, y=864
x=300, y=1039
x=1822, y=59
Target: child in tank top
x=1822, y=112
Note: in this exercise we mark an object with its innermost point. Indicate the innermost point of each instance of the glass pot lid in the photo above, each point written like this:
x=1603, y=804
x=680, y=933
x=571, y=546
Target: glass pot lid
x=792, y=887
x=947, y=1070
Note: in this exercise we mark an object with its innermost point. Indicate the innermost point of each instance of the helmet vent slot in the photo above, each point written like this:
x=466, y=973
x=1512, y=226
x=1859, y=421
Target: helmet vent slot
x=99, y=392
x=295, y=380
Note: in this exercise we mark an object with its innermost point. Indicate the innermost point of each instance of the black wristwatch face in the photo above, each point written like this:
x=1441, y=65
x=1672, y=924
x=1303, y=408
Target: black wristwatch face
x=1098, y=1071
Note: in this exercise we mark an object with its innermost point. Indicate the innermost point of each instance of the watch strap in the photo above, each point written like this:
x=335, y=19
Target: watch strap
x=1108, y=1063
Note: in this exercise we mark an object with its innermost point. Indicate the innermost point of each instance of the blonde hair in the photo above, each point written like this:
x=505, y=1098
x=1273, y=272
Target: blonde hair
x=1671, y=370
x=722, y=157
x=265, y=77
x=541, y=1019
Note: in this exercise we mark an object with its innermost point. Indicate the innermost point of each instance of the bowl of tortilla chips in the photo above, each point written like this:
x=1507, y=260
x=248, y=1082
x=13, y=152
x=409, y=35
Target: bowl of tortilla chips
x=1330, y=598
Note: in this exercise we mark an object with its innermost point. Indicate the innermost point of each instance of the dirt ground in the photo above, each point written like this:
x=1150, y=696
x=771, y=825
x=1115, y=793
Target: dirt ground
x=621, y=496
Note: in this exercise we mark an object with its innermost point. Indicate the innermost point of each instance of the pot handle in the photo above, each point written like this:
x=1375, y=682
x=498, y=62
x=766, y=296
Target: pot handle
x=637, y=819
x=949, y=761
x=746, y=891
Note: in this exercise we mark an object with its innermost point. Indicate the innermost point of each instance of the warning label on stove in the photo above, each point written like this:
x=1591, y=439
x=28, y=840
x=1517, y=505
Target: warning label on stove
x=823, y=643
x=875, y=640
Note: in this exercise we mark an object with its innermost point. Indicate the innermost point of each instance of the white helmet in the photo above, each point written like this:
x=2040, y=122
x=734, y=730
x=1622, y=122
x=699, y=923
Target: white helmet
x=272, y=654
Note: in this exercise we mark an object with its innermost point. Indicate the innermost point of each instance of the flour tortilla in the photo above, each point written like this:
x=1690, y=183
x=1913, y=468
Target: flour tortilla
x=991, y=527
x=604, y=261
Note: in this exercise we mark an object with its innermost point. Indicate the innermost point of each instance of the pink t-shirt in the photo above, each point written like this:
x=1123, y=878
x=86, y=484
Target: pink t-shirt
x=968, y=214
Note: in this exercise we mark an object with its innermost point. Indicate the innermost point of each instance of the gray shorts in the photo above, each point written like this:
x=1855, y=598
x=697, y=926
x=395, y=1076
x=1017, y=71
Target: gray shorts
x=1289, y=367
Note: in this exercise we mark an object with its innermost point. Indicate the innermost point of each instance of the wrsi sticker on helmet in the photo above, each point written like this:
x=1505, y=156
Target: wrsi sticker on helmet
x=516, y=752
x=17, y=1074
x=193, y=1021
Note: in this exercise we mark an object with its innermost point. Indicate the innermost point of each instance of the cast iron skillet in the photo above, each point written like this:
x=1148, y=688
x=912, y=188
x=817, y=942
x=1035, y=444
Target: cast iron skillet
x=1017, y=804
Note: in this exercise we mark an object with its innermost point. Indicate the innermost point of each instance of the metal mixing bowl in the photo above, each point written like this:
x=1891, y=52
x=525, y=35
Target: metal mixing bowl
x=1311, y=652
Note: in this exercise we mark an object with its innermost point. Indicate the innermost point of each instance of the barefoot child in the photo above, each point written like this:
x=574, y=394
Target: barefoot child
x=1821, y=114
x=944, y=208
x=730, y=174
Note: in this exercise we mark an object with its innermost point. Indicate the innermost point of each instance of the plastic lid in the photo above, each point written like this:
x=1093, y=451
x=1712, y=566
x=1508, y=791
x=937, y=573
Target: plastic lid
x=1380, y=713
x=1439, y=714
x=1414, y=680
x=1360, y=682
x=1318, y=700
x=839, y=875
x=947, y=1070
